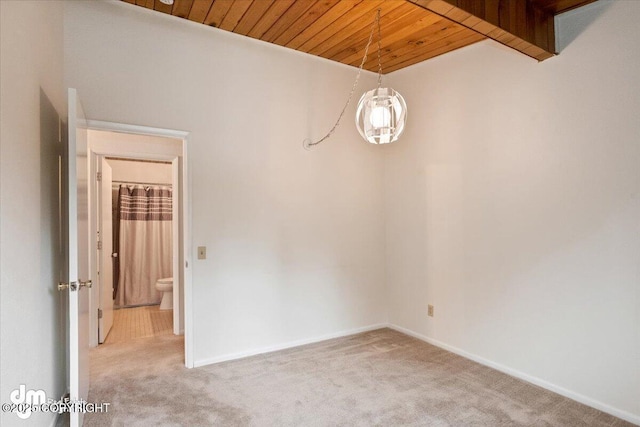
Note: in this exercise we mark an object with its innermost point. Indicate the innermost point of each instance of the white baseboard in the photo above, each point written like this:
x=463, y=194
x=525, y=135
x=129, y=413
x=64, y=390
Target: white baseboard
x=284, y=346
x=627, y=416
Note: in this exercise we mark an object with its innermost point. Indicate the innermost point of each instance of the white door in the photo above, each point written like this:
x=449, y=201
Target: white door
x=78, y=251
x=106, y=253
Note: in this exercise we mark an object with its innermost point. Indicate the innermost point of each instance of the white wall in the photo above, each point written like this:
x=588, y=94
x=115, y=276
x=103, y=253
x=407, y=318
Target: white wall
x=295, y=239
x=513, y=206
x=136, y=171
x=32, y=322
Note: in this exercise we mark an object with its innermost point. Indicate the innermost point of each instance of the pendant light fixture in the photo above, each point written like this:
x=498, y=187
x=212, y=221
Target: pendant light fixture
x=381, y=113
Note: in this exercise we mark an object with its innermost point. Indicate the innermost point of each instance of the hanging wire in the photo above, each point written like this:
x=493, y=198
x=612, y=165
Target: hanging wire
x=379, y=50
x=307, y=142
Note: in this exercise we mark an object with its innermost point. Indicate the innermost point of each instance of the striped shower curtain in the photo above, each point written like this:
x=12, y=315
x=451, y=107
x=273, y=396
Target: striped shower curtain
x=145, y=247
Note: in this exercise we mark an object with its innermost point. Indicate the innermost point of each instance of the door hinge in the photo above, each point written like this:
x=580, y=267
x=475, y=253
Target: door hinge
x=99, y=176
x=99, y=313
x=99, y=244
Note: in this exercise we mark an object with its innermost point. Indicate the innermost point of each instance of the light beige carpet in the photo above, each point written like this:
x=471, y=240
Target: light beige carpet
x=380, y=378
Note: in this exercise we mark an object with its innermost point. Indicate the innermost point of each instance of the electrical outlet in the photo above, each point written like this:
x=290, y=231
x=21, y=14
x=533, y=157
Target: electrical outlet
x=430, y=310
x=202, y=252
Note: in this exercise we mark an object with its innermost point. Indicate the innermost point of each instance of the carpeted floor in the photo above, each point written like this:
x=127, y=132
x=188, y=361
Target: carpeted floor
x=380, y=378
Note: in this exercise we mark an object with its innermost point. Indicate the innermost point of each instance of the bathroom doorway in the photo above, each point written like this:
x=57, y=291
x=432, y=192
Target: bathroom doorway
x=138, y=210
x=135, y=218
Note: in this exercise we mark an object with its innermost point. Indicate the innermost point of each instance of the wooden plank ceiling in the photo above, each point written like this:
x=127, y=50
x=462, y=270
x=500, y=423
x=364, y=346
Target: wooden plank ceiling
x=412, y=30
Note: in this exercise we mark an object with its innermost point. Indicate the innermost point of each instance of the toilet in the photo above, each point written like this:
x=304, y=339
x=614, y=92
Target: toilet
x=166, y=287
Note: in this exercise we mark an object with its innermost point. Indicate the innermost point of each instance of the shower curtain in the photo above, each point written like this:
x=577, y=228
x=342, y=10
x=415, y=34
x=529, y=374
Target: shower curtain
x=145, y=243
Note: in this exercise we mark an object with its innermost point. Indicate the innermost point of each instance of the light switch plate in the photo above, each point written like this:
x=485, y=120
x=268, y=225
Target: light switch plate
x=202, y=252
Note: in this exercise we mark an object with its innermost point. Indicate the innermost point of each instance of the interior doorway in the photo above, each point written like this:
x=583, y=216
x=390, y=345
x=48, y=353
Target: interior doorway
x=119, y=155
x=135, y=257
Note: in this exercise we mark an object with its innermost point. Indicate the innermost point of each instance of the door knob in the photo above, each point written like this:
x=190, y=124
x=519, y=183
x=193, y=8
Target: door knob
x=63, y=285
x=85, y=283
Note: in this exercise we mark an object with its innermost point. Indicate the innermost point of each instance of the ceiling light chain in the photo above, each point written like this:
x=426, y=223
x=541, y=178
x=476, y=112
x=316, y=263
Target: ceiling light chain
x=381, y=112
x=307, y=142
x=379, y=50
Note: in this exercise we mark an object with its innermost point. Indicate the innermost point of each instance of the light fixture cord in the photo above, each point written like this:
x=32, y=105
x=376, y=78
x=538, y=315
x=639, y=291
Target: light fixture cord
x=355, y=83
x=379, y=50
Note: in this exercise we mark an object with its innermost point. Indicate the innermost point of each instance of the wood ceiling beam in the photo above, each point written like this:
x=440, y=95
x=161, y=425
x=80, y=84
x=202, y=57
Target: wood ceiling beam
x=524, y=25
x=560, y=6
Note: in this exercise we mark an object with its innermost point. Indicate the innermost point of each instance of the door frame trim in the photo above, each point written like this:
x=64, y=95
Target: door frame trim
x=183, y=178
x=96, y=163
